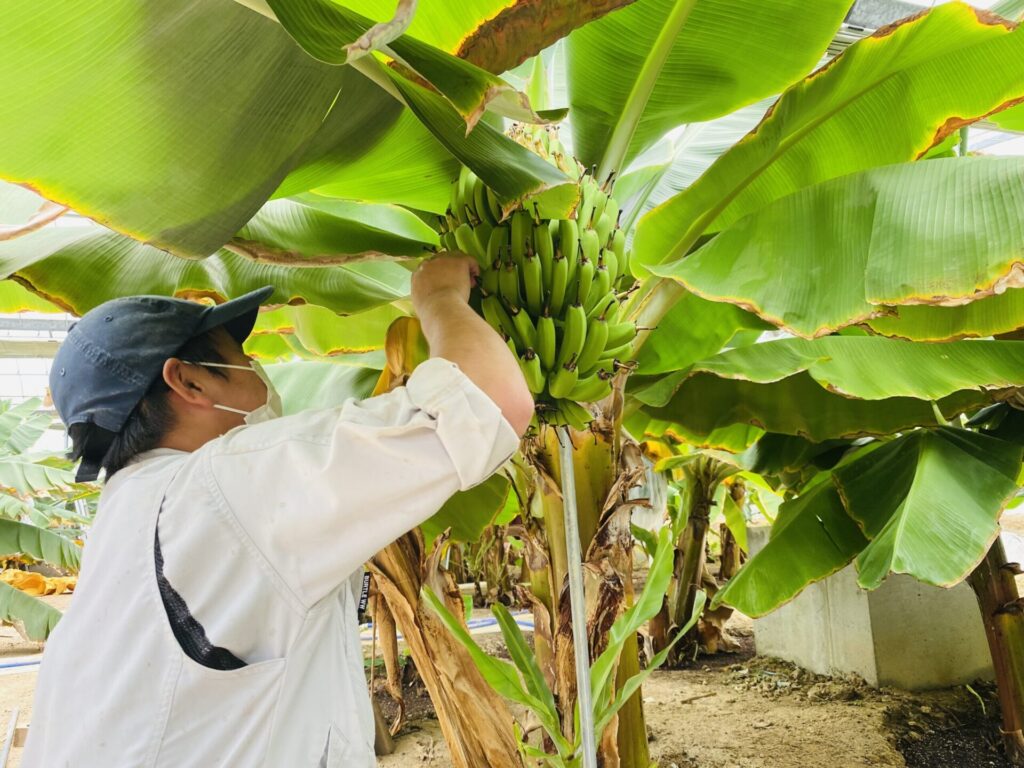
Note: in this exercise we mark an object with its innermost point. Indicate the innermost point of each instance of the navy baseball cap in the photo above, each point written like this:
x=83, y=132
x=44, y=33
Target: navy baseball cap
x=115, y=352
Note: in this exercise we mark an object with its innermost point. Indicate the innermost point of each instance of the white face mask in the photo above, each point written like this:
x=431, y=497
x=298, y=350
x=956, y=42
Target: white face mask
x=269, y=410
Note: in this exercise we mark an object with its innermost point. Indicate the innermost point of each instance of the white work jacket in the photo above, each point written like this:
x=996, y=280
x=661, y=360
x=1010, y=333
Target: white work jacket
x=263, y=533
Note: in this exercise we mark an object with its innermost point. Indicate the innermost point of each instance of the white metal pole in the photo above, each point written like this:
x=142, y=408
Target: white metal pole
x=577, y=603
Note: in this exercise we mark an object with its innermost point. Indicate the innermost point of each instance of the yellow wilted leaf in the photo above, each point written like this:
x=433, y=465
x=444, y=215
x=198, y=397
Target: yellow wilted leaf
x=31, y=583
x=36, y=584
x=404, y=348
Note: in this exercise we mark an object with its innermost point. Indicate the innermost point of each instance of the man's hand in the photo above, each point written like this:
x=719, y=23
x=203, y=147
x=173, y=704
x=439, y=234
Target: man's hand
x=445, y=278
x=440, y=296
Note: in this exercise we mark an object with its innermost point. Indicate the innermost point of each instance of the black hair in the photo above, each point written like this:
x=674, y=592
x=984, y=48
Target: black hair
x=150, y=420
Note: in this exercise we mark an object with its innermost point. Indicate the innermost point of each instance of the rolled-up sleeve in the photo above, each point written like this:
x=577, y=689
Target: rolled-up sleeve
x=318, y=493
x=469, y=425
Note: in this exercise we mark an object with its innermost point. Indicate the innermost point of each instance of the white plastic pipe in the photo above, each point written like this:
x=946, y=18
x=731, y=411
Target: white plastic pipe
x=577, y=603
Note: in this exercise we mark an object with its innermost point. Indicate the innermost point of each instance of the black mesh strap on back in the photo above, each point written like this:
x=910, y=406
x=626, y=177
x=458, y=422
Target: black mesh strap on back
x=190, y=633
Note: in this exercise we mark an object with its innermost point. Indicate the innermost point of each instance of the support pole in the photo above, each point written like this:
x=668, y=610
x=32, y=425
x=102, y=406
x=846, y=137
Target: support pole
x=577, y=603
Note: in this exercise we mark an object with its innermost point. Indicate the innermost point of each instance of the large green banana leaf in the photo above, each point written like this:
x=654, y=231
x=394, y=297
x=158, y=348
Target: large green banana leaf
x=76, y=264
x=310, y=385
x=512, y=171
x=926, y=504
x=829, y=255
x=812, y=538
x=833, y=387
x=22, y=475
x=38, y=617
x=374, y=149
x=169, y=121
x=329, y=32
x=935, y=72
x=39, y=543
x=324, y=232
x=326, y=334
x=989, y=316
x=929, y=502
x=734, y=438
x=692, y=330
x=656, y=64
x=22, y=425
x=680, y=158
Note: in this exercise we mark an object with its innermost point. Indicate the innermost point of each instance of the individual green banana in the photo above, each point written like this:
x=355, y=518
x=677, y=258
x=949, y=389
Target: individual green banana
x=483, y=210
x=457, y=202
x=600, y=202
x=620, y=333
x=574, y=334
x=545, y=249
x=611, y=312
x=618, y=243
x=466, y=242
x=605, y=365
x=562, y=380
x=559, y=283
x=546, y=344
x=593, y=347
x=575, y=415
x=584, y=280
x=585, y=211
x=611, y=261
x=529, y=363
x=611, y=211
x=489, y=278
x=601, y=285
x=626, y=279
x=466, y=181
x=600, y=308
x=493, y=205
x=449, y=241
x=482, y=236
x=568, y=239
x=498, y=318
x=604, y=227
x=595, y=387
x=524, y=326
x=533, y=283
x=620, y=352
x=522, y=229
x=590, y=245
x=508, y=284
x=497, y=244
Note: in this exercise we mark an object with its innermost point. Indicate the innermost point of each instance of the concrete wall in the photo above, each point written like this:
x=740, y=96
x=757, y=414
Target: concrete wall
x=904, y=634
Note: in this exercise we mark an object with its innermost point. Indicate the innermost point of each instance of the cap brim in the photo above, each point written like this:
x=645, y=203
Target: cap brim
x=237, y=316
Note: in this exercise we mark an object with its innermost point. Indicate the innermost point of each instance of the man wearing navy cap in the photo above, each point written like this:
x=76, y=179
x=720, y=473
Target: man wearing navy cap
x=214, y=623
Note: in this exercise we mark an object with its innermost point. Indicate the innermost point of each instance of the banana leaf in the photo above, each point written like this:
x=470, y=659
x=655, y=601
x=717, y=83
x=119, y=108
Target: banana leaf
x=835, y=253
x=171, y=122
x=24, y=538
x=627, y=71
x=38, y=618
x=937, y=71
x=926, y=504
x=834, y=387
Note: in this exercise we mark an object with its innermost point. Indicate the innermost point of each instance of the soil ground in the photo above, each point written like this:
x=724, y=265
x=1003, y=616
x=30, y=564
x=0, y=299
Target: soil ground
x=733, y=710
x=738, y=710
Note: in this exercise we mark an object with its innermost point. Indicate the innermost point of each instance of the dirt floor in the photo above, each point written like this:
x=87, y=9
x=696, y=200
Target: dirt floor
x=742, y=711
x=729, y=711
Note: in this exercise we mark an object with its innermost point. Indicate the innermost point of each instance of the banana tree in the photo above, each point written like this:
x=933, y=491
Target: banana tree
x=36, y=524
x=312, y=145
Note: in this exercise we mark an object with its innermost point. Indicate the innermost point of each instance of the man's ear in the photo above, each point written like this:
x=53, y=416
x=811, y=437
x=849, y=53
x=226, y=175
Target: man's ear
x=187, y=381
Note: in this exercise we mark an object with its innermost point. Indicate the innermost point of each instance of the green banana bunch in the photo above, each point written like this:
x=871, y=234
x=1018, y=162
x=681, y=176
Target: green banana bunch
x=552, y=287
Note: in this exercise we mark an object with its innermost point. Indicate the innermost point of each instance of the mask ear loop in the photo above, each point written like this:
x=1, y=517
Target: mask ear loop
x=223, y=365
x=229, y=408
